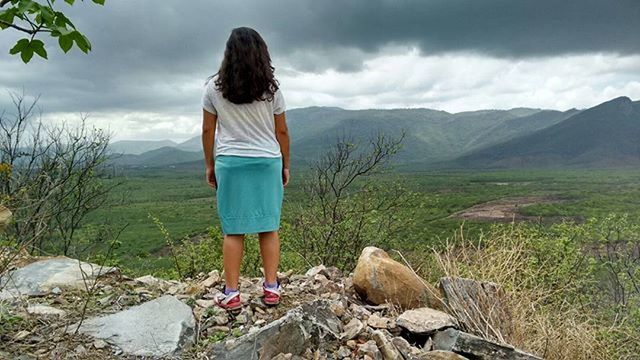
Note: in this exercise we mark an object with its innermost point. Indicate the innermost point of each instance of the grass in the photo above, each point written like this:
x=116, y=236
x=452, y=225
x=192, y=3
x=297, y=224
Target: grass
x=186, y=206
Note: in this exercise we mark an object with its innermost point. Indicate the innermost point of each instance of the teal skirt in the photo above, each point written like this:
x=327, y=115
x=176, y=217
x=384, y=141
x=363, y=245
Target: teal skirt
x=249, y=194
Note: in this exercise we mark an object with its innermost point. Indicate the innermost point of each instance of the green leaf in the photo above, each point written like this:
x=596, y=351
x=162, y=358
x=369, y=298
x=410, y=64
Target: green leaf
x=38, y=47
x=25, y=6
x=7, y=17
x=26, y=54
x=65, y=42
x=70, y=2
x=99, y=2
x=21, y=44
x=47, y=14
x=81, y=41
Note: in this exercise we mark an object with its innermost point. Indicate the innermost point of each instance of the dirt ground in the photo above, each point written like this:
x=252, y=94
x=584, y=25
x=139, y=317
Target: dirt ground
x=507, y=209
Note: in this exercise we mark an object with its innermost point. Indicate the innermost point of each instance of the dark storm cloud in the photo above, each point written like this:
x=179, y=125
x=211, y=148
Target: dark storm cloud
x=151, y=55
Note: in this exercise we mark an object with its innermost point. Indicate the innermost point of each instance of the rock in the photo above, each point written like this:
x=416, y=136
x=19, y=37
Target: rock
x=407, y=351
x=338, y=308
x=440, y=355
x=343, y=352
x=478, y=305
x=150, y=280
x=370, y=348
x=378, y=322
x=56, y=291
x=282, y=356
x=80, y=350
x=309, y=326
x=359, y=311
x=219, y=328
x=378, y=279
x=161, y=327
x=352, y=329
x=221, y=319
x=205, y=303
x=105, y=300
x=464, y=343
x=388, y=350
x=40, y=277
x=320, y=269
x=213, y=279
x=100, y=344
x=425, y=321
x=39, y=309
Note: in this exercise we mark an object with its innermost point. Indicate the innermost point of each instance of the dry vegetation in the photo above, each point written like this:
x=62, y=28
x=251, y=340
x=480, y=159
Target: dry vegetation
x=556, y=292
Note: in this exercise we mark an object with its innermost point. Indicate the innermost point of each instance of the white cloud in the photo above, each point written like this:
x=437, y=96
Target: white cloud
x=462, y=81
x=452, y=82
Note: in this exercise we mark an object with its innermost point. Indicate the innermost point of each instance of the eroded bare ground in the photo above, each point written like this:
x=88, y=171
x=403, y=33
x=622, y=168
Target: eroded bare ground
x=507, y=209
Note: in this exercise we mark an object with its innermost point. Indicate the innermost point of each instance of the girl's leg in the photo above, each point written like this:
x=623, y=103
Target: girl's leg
x=232, y=247
x=270, y=252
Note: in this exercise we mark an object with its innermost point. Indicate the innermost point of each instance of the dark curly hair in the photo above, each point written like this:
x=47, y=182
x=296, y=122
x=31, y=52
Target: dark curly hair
x=246, y=74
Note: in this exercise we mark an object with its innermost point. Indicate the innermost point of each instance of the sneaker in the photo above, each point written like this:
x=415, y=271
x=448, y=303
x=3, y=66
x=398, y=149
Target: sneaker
x=229, y=302
x=271, y=295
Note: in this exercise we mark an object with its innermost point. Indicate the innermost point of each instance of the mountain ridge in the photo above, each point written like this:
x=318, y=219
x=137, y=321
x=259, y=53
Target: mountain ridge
x=436, y=138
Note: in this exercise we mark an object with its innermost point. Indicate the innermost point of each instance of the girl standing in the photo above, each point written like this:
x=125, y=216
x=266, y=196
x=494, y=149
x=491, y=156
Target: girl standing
x=246, y=151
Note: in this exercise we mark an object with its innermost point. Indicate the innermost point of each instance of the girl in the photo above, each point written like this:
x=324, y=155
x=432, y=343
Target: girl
x=243, y=116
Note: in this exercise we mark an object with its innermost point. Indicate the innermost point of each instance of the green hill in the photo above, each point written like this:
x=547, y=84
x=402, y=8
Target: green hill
x=605, y=135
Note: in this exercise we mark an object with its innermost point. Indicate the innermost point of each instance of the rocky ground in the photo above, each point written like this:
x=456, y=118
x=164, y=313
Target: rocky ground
x=60, y=308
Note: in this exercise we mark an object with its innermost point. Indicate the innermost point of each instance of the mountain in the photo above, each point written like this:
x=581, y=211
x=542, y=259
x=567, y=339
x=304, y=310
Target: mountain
x=430, y=135
x=605, y=135
x=138, y=146
x=161, y=157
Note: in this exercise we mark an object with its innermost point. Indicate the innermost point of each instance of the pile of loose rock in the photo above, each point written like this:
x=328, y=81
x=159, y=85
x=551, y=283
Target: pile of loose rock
x=380, y=311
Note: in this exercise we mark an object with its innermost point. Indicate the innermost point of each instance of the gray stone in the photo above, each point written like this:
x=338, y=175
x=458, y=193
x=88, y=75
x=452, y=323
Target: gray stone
x=480, y=307
x=440, y=355
x=407, y=351
x=379, y=322
x=425, y=320
x=320, y=269
x=343, y=352
x=308, y=326
x=370, y=349
x=100, y=344
x=388, y=350
x=39, y=309
x=352, y=329
x=478, y=348
x=161, y=327
x=40, y=277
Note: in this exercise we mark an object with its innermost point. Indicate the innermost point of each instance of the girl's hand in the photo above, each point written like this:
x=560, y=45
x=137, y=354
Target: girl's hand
x=285, y=176
x=210, y=177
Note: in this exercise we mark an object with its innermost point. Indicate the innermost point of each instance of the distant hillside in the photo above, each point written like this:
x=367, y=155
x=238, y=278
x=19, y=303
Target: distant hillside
x=605, y=135
x=138, y=146
x=157, y=158
x=430, y=135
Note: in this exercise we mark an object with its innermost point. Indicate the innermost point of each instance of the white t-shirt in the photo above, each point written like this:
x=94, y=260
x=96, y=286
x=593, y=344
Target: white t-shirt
x=244, y=129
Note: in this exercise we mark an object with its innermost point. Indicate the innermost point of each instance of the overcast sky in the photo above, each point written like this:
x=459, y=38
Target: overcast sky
x=144, y=77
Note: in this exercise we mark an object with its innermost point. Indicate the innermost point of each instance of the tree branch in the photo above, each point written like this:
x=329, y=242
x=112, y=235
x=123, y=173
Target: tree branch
x=30, y=32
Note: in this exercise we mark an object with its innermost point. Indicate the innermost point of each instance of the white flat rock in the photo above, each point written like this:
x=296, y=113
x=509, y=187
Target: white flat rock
x=40, y=277
x=160, y=327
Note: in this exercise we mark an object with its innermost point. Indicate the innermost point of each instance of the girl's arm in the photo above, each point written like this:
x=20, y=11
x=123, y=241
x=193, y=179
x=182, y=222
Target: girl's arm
x=282, y=135
x=208, y=135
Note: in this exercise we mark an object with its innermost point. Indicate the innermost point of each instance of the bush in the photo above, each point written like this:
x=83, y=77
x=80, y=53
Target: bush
x=203, y=253
x=564, y=284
